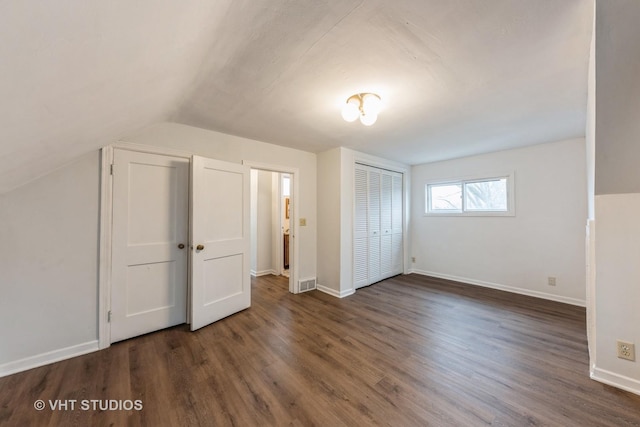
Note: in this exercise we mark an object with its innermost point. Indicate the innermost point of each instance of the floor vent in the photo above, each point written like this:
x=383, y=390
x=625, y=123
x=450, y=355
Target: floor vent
x=307, y=285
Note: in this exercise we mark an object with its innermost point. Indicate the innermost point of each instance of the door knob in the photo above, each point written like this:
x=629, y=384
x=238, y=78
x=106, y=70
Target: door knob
x=199, y=247
x=181, y=246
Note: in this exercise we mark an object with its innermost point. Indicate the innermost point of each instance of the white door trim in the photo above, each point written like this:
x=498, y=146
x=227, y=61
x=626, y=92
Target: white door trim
x=294, y=248
x=106, y=230
x=104, y=258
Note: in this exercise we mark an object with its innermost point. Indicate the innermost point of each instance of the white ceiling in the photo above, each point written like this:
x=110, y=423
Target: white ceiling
x=458, y=77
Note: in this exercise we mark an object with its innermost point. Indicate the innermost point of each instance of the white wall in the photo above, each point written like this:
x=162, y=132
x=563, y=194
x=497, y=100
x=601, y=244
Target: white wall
x=617, y=288
x=49, y=266
x=264, y=224
x=49, y=232
x=617, y=188
x=329, y=190
x=545, y=238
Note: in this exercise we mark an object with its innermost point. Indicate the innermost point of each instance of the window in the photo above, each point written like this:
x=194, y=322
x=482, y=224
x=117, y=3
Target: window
x=471, y=197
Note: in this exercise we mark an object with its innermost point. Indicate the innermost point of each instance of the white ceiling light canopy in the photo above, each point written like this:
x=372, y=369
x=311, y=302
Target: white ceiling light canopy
x=365, y=105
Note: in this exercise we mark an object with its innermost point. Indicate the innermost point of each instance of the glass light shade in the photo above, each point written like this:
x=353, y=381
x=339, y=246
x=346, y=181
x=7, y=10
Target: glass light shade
x=371, y=104
x=368, y=119
x=351, y=110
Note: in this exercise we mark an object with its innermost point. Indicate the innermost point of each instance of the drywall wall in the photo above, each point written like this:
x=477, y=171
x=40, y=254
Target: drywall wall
x=49, y=232
x=617, y=293
x=545, y=237
x=264, y=224
x=618, y=97
x=49, y=266
x=329, y=191
x=617, y=187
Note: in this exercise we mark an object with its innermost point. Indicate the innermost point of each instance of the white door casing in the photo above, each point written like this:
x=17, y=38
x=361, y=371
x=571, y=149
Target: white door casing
x=150, y=222
x=220, y=240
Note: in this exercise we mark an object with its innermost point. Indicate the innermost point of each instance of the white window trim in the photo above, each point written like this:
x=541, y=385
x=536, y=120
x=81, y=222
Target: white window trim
x=511, y=200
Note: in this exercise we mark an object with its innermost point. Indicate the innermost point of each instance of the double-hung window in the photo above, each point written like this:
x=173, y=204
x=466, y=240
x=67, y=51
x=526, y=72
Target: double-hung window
x=485, y=196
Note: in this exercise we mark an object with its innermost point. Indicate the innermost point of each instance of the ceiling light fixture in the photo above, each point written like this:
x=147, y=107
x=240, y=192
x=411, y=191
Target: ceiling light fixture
x=366, y=106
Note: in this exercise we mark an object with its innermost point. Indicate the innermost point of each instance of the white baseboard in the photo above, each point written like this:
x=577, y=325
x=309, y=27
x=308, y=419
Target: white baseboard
x=616, y=380
x=47, y=358
x=333, y=292
x=528, y=292
x=263, y=273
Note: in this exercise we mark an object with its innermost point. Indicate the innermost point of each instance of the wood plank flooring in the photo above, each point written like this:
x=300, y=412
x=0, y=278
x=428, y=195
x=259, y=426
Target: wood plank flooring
x=409, y=351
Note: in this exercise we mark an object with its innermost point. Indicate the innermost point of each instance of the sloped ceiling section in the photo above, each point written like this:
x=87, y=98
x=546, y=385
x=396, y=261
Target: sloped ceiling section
x=78, y=74
x=458, y=77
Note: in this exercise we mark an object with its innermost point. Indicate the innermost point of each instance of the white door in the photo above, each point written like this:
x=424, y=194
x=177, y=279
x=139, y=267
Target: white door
x=386, y=244
x=149, y=258
x=361, y=230
x=374, y=227
x=220, y=239
x=396, y=225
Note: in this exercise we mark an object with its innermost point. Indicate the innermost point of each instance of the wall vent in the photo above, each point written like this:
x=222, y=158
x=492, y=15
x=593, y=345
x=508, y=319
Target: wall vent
x=307, y=284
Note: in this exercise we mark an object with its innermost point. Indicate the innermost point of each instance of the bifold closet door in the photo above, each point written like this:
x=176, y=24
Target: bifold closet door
x=378, y=221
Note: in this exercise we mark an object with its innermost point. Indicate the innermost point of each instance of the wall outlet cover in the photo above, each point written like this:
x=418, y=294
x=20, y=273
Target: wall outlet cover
x=626, y=350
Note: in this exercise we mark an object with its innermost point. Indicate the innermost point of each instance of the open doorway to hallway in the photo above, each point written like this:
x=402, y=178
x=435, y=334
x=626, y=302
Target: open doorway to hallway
x=271, y=220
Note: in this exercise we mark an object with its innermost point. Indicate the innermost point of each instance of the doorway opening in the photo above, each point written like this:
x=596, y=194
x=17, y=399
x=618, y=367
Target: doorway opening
x=272, y=222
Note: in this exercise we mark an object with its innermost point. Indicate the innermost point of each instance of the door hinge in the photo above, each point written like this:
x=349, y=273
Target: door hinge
x=111, y=168
x=109, y=316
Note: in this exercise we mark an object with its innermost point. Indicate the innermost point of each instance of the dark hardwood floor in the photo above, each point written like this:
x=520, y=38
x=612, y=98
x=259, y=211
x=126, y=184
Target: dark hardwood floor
x=409, y=351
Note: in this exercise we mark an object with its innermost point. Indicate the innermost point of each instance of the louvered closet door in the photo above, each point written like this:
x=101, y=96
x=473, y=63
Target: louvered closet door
x=396, y=225
x=386, y=244
x=374, y=227
x=378, y=225
x=361, y=237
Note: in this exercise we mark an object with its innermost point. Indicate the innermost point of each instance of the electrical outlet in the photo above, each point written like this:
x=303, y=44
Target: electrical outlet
x=626, y=350
x=552, y=281
x=413, y=259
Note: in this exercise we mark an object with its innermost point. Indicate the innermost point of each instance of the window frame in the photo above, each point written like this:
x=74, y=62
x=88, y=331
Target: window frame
x=462, y=181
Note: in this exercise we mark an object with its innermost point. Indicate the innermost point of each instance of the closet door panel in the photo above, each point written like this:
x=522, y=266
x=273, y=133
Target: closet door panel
x=374, y=226
x=386, y=256
x=396, y=254
x=397, y=213
x=374, y=203
x=374, y=260
x=385, y=225
x=361, y=230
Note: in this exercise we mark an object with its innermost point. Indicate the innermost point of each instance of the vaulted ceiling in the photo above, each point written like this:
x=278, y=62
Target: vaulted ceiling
x=458, y=77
